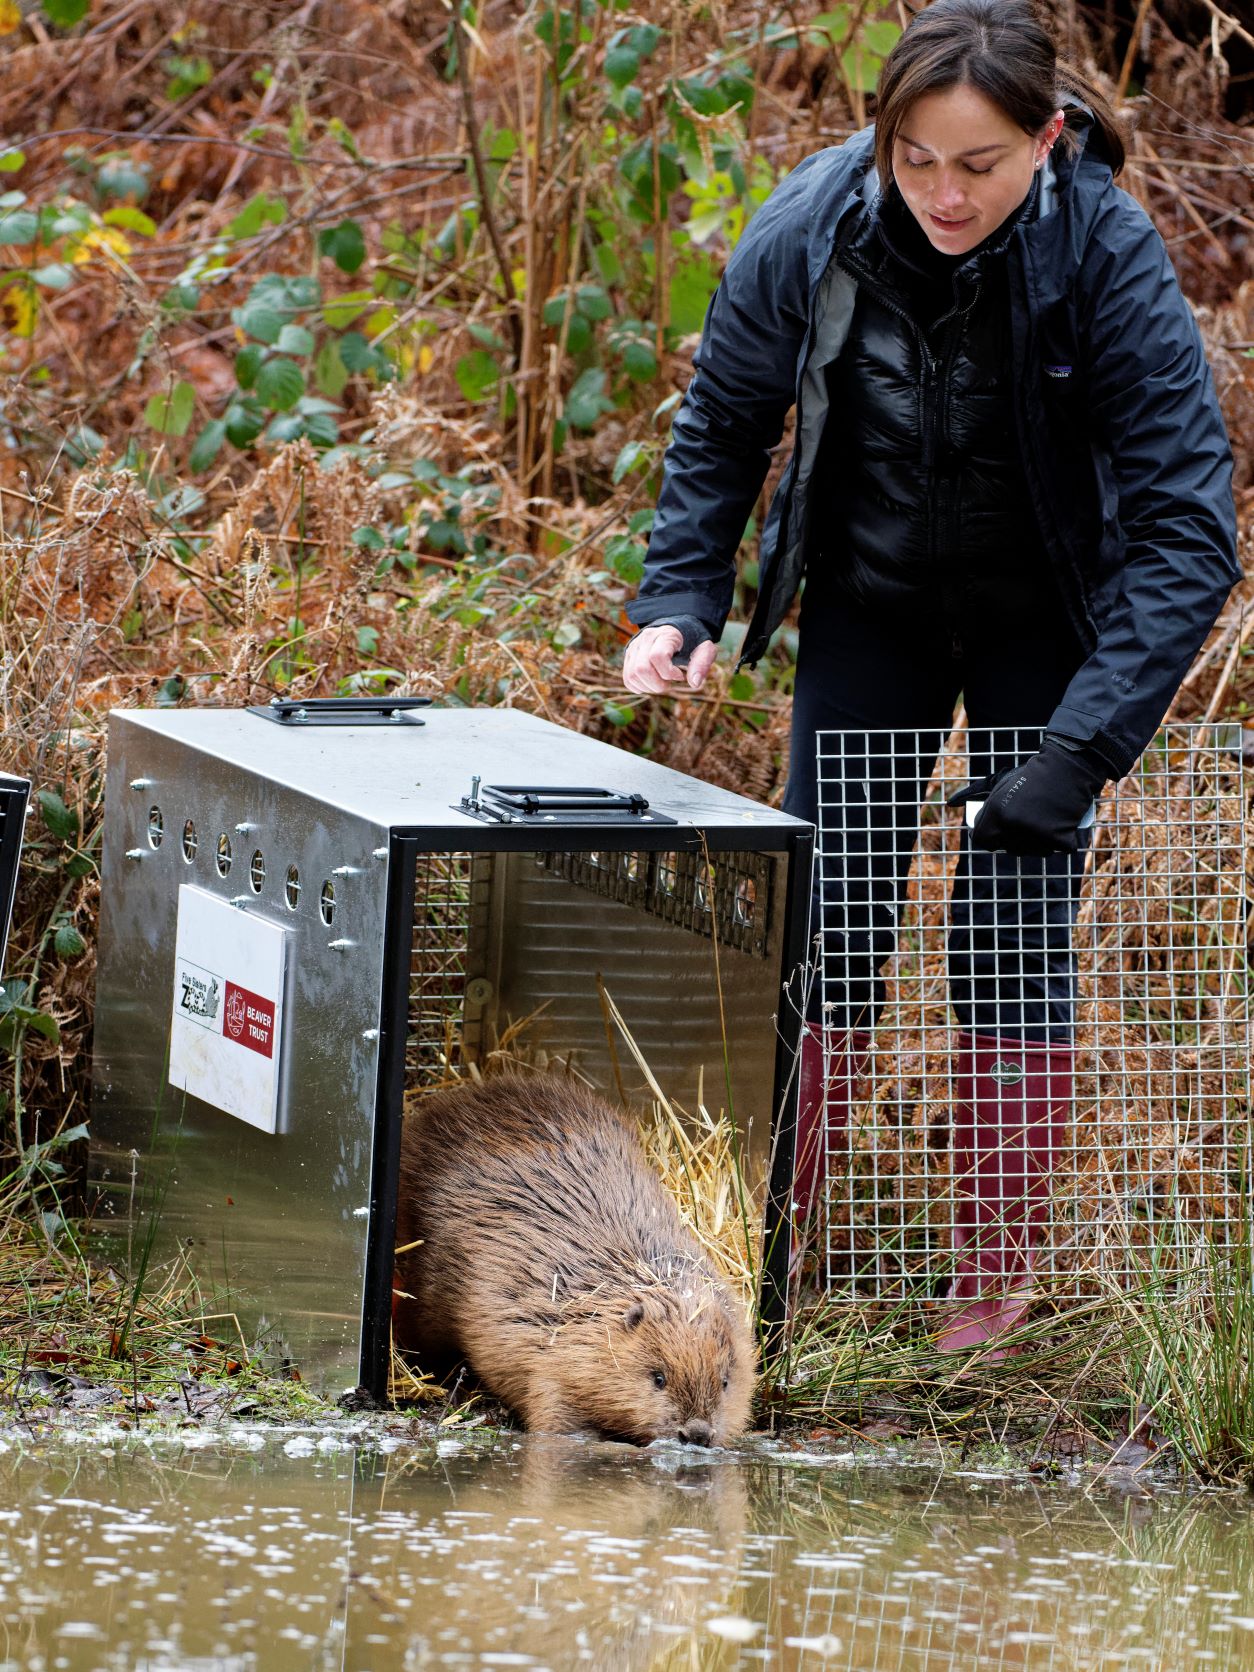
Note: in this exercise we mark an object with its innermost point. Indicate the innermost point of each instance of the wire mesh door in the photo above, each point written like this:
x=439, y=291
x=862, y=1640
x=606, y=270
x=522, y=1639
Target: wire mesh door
x=1071, y=1033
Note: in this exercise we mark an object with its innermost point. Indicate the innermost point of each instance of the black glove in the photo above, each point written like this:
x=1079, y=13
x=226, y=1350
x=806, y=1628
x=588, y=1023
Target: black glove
x=1035, y=808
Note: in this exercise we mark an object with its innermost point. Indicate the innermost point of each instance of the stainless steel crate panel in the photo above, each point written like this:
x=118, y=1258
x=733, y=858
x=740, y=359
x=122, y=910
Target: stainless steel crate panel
x=282, y=1229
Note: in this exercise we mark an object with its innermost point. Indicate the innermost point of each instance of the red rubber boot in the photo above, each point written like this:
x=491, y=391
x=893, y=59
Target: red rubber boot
x=837, y=1059
x=1010, y=1120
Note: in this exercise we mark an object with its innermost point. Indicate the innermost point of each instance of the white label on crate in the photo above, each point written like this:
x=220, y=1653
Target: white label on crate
x=226, y=1027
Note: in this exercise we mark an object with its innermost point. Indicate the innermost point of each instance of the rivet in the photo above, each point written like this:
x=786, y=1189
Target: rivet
x=244, y=828
x=141, y=783
x=134, y=853
x=370, y=1033
x=340, y=945
x=380, y=853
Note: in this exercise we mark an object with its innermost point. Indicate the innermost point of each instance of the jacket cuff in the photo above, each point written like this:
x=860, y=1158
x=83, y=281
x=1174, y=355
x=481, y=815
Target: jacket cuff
x=694, y=633
x=1072, y=726
x=672, y=608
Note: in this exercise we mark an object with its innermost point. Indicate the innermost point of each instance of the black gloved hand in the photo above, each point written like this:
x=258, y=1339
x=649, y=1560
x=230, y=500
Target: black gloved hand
x=1034, y=808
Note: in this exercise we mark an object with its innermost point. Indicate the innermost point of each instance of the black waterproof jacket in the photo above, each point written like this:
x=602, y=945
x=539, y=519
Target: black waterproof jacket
x=1123, y=444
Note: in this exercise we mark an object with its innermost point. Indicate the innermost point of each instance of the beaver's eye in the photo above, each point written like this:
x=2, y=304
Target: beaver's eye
x=726, y=1379
x=659, y=1378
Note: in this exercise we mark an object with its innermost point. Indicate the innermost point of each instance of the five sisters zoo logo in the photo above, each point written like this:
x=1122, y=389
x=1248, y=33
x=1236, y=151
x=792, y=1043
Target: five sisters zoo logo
x=200, y=995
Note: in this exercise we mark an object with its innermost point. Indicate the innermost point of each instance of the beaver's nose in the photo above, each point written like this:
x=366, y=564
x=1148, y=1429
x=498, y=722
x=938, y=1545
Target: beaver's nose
x=696, y=1433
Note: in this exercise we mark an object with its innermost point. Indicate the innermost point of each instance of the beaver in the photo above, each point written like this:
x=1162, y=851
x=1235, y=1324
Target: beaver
x=547, y=1254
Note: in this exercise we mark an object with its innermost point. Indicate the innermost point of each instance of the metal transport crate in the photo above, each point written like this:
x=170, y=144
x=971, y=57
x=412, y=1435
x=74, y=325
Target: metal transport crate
x=1146, y=1006
x=309, y=911
x=14, y=800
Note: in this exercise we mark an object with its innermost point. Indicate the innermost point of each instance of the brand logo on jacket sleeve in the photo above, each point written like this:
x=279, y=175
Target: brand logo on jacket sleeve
x=1058, y=371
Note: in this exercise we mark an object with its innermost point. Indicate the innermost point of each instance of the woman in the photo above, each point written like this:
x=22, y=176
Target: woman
x=1010, y=480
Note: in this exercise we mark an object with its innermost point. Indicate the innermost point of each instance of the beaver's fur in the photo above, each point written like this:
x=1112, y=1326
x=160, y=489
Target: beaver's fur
x=551, y=1258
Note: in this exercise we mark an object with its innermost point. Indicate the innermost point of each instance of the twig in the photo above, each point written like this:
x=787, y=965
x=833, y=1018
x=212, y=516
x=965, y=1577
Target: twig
x=484, y=185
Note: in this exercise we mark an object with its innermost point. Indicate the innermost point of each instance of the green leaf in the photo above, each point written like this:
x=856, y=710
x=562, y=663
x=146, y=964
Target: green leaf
x=628, y=459
x=341, y=311
x=244, y=422
x=608, y=264
x=639, y=360
x=259, y=211
x=257, y=320
x=356, y=352
x=618, y=713
x=247, y=365
x=55, y=276
x=45, y=1025
x=207, y=445
x=694, y=279
x=345, y=244
x=295, y=339
x=68, y=942
x=622, y=65
x=66, y=13
x=330, y=372
x=587, y=399
x=19, y=226
x=61, y=822
x=133, y=219
x=742, y=687
x=593, y=302
x=171, y=413
x=477, y=374
x=11, y=161
x=486, y=336
x=368, y=641
x=280, y=384
x=625, y=557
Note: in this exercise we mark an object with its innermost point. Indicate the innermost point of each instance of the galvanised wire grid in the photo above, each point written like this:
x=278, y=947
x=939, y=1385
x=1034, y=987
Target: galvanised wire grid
x=1121, y=977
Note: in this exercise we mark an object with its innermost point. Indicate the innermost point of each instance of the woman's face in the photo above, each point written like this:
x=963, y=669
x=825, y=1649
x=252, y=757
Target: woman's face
x=962, y=165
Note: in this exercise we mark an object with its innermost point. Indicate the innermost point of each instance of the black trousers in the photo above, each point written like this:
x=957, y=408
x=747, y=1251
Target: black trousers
x=891, y=688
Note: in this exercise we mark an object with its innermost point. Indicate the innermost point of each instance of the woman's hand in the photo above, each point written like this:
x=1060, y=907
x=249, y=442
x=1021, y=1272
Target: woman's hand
x=649, y=665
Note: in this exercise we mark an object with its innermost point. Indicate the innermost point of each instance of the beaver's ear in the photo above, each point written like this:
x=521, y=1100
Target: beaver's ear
x=634, y=1315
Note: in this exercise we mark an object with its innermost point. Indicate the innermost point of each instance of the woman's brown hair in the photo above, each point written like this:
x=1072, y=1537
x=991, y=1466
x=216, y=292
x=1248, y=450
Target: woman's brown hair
x=1003, y=50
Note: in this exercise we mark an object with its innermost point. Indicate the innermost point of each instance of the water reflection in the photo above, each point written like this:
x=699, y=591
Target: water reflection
x=266, y=1554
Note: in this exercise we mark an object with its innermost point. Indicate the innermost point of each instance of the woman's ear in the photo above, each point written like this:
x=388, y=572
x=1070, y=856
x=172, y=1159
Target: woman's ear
x=1045, y=144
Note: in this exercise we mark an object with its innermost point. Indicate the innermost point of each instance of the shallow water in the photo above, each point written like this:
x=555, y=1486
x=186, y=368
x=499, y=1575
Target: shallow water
x=264, y=1553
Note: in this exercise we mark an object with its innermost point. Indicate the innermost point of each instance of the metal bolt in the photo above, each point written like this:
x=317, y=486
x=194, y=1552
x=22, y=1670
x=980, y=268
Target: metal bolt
x=134, y=853
x=370, y=1033
x=479, y=990
x=380, y=853
x=346, y=871
x=141, y=783
x=244, y=828
x=340, y=945
x=474, y=790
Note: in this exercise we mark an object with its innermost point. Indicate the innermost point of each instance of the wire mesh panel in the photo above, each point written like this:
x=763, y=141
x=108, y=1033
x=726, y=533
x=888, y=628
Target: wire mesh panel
x=1030, y=1063
x=450, y=903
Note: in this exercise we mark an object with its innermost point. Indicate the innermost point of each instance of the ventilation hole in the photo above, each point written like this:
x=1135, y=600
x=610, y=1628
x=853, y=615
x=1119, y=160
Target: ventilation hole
x=746, y=900
x=326, y=903
x=700, y=895
x=224, y=855
x=190, y=841
x=632, y=866
x=292, y=888
x=156, y=827
x=667, y=873
x=257, y=871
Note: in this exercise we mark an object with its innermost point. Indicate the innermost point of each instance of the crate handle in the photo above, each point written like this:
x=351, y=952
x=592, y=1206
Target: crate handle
x=343, y=711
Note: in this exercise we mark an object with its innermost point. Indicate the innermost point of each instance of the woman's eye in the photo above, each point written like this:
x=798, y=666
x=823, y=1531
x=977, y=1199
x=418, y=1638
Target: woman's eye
x=987, y=170
x=659, y=1378
x=923, y=163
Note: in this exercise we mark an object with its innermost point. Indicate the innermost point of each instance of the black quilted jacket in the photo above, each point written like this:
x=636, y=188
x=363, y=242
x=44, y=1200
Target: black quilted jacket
x=1120, y=436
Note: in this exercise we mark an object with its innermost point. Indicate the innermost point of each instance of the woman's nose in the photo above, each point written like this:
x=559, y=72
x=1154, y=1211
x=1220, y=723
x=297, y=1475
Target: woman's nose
x=949, y=191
